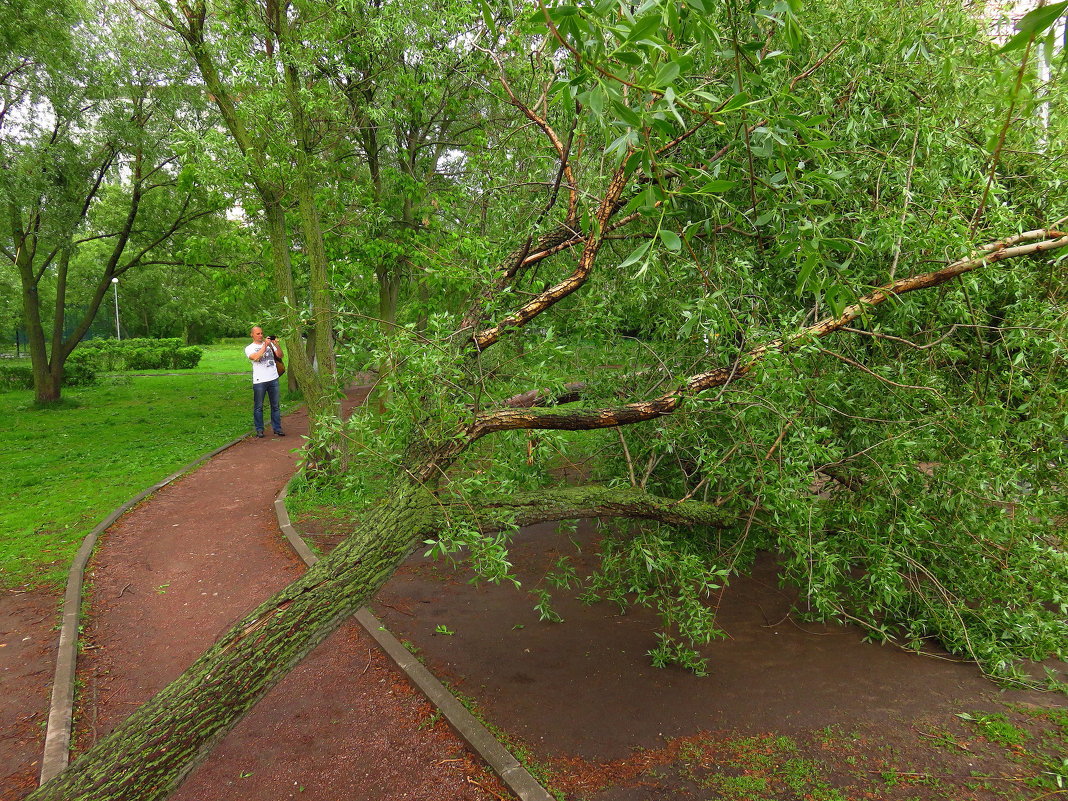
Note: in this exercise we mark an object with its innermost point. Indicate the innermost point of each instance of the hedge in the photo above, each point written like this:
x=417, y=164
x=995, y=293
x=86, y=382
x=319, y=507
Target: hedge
x=108, y=355
x=115, y=355
x=78, y=371
x=15, y=376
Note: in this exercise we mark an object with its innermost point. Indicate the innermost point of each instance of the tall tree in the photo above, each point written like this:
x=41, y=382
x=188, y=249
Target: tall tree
x=345, y=130
x=411, y=84
x=253, y=64
x=774, y=242
x=89, y=158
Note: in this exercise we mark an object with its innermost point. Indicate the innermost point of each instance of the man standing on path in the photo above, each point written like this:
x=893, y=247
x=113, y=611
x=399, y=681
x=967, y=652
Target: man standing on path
x=263, y=352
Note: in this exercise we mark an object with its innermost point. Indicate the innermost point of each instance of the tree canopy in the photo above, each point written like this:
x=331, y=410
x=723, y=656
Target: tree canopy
x=92, y=179
x=774, y=278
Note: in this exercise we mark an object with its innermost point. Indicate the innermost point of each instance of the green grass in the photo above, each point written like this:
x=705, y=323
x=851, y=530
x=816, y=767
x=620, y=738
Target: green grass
x=67, y=467
x=1036, y=739
x=224, y=359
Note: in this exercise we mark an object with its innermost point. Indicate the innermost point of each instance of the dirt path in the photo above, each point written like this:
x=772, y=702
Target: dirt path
x=781, y=695
x=27, y=660
x=177, y=571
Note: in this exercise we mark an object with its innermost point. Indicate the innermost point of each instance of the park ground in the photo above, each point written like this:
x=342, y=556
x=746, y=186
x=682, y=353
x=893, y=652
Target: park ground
x=788, y=710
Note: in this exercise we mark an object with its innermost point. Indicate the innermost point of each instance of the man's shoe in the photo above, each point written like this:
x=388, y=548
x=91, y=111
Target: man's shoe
x=279, y=433
x=259, y=434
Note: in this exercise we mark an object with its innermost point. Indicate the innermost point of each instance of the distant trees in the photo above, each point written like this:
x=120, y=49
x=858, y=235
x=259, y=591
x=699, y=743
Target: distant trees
x=91, y=174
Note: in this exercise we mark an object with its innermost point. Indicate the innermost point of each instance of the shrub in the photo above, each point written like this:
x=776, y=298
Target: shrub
x=106, y=353
x=79, y=369
x=145, y=358
x=166, y=343
x=15, y=376
x=187, y=358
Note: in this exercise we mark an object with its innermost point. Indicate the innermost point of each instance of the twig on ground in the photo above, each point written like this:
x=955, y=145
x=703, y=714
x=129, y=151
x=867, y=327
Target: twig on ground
x=369, y=659
x=394, y=608
x=486, y=789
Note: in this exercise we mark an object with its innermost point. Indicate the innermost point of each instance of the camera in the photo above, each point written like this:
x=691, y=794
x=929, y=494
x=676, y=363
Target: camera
x=272, y=338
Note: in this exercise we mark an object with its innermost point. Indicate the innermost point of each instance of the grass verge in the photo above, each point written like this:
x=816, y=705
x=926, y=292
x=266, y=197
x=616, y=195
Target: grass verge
x=70, y=464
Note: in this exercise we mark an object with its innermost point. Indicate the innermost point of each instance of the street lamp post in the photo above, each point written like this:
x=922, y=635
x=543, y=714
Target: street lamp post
x=115, y=285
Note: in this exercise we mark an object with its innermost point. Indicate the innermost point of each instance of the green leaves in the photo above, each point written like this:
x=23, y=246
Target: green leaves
x=636, y=255
x=671, y=240
x=717, y=185
x=738, y=237
x=667, y=73
x=740, y=100
x=487, y=15
x=1034, y=23
x=627, y=114
x=642, y=28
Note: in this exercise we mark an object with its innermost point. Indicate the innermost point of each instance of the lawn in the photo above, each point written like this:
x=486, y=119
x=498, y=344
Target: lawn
x=225, y=358
x=67, y=467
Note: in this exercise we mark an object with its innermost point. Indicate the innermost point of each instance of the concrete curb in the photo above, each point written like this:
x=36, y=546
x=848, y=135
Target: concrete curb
x=61, y=711
x=487, y=746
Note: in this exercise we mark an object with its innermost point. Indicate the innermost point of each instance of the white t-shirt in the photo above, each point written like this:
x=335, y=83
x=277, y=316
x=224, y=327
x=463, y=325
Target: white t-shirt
x=264, y=369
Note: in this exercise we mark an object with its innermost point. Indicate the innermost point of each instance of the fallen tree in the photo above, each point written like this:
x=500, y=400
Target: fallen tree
x=149, y=754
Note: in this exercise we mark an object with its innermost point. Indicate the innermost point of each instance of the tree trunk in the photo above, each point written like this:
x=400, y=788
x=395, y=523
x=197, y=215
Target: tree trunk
x=388, y=293
x=46, y=389
x=322, y=313
x=299, y=365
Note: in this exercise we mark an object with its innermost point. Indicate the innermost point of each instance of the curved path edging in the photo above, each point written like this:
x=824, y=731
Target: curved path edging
x=61, y=708
x=513, y=774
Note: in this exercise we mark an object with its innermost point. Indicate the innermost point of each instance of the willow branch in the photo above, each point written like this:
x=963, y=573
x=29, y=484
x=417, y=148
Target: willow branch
x=562, y=149
x=589, y=419
x=545, y=300
x=528, y=508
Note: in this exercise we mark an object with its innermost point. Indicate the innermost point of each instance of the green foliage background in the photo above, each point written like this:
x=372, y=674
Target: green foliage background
x=908, y=474
x=779, y=160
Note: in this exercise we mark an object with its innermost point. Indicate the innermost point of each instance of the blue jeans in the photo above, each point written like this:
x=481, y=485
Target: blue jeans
x=270, y=388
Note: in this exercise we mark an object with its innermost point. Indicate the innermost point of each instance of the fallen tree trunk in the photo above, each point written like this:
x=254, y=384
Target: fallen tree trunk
x=151, y=752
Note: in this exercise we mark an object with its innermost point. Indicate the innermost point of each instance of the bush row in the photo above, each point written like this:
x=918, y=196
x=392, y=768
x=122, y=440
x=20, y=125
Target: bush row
x=100, y=355
x=141, y=354
x=15, y=376
x=79, y=371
